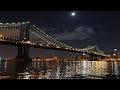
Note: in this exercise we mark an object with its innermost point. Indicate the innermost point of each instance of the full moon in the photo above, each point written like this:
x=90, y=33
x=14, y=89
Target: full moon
x=73, y=14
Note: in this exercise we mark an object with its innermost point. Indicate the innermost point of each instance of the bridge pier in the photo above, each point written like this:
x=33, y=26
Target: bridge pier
x=103, y=57
x=23, y=50
x=23, y=54
x=94, y=58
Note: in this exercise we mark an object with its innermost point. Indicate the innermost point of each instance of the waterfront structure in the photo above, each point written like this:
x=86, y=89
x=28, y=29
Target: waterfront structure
x=25, y=35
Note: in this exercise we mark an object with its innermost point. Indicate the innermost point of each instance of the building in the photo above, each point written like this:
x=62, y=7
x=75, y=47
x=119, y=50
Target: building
x=116, y=54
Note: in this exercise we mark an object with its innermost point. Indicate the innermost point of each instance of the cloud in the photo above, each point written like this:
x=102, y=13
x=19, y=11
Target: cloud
x=80, y=33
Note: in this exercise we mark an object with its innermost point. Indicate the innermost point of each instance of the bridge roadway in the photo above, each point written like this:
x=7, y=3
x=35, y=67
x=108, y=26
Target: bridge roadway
x=35, y=45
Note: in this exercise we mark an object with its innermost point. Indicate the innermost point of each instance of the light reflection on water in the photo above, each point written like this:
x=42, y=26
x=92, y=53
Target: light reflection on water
x=61, y=69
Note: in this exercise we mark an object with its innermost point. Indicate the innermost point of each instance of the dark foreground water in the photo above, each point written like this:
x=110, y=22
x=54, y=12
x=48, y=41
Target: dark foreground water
x=60, y=70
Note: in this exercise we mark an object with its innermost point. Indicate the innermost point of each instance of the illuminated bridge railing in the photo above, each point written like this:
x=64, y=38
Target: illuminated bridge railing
x=12, y=32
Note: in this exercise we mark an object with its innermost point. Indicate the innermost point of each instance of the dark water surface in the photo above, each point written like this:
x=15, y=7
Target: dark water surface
x=60, y=70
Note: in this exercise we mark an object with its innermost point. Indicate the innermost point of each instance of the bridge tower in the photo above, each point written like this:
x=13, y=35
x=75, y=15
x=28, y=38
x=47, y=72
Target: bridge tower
x=23, y=50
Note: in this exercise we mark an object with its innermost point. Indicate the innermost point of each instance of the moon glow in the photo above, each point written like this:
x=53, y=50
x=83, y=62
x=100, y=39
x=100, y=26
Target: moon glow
x=73, y=14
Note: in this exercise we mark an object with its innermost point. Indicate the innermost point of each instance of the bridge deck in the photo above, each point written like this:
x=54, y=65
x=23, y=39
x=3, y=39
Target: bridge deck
x=35, y=45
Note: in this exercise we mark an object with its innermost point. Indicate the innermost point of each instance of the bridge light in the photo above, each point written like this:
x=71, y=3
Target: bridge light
x=23, y=22
x=1, y=23
x=7, y=23
x=84, y=54
x=24, y=38
x=58, y=47
x=28, y=42
x=1, y=36
x=27, y=22
x=13, y=23
x=37, y=28
x=115, y=49
x=47, y=45
x=114, y=54
x=66, y=48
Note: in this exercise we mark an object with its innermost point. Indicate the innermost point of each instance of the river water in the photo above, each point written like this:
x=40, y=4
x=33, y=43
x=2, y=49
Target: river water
x=60, y=70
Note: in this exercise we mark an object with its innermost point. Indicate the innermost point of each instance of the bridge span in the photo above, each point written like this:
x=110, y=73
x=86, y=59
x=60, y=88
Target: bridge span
x=25, y=35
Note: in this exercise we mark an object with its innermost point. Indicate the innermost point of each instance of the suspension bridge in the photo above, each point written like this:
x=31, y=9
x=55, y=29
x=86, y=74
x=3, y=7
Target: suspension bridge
x=25, y=35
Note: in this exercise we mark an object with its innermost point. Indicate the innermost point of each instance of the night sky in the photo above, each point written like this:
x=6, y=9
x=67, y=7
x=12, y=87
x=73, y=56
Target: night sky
x=101, y=28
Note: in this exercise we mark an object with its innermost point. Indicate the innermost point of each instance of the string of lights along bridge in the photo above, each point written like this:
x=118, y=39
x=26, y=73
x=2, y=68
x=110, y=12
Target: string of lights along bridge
x=25, y=35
